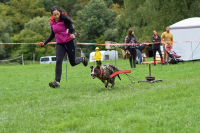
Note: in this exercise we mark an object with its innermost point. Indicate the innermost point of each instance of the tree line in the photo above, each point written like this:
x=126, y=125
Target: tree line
x=95, y=21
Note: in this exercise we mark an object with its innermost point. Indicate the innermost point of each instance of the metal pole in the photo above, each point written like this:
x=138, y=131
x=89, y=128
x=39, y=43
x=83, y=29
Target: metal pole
x=22, y=60
x=66, y=65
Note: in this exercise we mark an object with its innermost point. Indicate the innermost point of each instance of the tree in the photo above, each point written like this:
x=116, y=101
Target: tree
x=35, y=30
x=48, y=4
x=66, y=5
x=2, y=51
x=108, y=2
x=21, y=11
x=146, y=15
x=120, y=2
x=94, y=20
x=110, y=35
x=5, y=30
x=83, y=2
x=117, y=8
x=77, y=7
x=4, y=1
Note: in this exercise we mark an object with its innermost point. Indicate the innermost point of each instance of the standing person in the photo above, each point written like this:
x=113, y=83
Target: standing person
x=140, y=49
x=131, y=39
x=156, y=47
x=65, y=34
x=139, y=54
x=167, y=36
x=97, y=55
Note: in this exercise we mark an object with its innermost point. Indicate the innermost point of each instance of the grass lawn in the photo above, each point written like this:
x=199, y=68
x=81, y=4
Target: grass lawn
x=83, y=105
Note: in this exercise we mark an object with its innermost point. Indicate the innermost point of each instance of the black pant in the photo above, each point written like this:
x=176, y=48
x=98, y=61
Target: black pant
x=154, y=53
x=132, y=53
x=99, y=62
x=61, y=49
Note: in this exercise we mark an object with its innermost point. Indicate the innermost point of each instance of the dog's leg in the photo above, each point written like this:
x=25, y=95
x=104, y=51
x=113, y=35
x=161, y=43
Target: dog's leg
x=105, y=83
x=112, y=81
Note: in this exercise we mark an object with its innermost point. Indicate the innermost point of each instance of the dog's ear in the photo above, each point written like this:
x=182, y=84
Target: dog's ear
x=91, y=67
x=98, y=65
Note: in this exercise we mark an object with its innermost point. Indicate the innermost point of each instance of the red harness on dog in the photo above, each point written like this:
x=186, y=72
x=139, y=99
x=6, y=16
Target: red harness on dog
x=101, y=74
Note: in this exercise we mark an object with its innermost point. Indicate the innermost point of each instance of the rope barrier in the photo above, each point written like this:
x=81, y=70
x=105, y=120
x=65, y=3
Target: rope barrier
x=105, y=44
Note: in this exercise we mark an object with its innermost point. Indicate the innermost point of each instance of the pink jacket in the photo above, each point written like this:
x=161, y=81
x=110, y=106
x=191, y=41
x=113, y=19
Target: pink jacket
x=62, y=34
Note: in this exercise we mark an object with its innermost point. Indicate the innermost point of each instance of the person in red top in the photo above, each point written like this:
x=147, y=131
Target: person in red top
x=65, y=34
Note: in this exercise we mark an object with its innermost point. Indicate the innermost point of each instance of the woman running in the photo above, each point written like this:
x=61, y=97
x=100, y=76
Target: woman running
x=65, y=34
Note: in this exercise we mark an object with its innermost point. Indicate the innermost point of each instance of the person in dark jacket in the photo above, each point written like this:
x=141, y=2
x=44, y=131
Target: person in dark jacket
x=140, y=49
x=139, y=54
x=131, y=39
x=156, y=47
x=65, y=34
x=142, y=46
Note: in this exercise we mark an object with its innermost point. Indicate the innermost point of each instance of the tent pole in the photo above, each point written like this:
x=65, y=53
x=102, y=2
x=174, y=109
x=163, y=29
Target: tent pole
x=192, y=52
x=195, y=49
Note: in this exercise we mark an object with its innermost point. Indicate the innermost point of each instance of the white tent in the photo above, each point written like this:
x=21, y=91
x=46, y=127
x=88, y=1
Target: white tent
x=106, y=55
x=183, y=31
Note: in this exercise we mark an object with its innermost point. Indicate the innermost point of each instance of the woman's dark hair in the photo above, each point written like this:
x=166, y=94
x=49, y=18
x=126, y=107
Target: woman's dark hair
x=63, y=17
x=56, y=8
x=156, y=32
x=130, y=35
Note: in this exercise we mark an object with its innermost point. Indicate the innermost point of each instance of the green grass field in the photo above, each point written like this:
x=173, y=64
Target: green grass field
x=84, y=105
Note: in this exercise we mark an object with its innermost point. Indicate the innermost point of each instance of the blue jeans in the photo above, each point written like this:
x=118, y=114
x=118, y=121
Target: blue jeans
x=139, y=54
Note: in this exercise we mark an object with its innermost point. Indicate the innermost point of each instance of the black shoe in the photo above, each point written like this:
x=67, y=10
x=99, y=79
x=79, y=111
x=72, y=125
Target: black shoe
x=154, y=64
x=54, y=84
x=163, y=63
x=85, y=61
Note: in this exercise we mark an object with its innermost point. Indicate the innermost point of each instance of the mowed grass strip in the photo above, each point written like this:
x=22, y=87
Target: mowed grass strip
x=83, y=104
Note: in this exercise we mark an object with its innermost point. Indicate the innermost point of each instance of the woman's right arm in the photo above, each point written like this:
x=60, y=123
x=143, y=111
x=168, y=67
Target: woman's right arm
x=153, y=40
x=159, y=38
x=126, y=42
x=51, y=37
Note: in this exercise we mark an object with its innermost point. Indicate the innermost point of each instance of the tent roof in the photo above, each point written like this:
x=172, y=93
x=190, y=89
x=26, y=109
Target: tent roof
x=187, y=23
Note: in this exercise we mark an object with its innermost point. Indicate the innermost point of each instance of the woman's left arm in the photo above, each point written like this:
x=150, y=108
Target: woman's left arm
x=159, y=38
x=70, y=27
